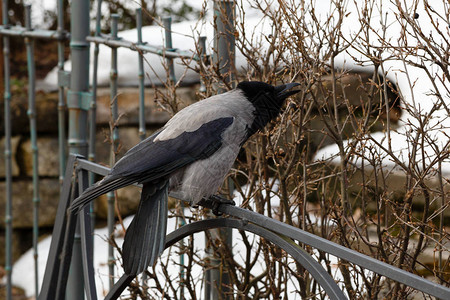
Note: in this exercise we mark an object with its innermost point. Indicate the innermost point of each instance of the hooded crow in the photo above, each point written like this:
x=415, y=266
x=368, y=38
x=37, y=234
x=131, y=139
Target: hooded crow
x=189, y=156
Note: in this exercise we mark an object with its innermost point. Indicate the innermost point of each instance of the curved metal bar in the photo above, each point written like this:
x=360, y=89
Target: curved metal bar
x=314, y=268
x=367, y=262
x=118, y=287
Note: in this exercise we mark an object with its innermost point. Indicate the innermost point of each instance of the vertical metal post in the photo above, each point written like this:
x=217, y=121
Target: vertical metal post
x=93, y=106
x=79, y=79
x=142, y=129
x=167, y=23
x=62, y=142
x=224, y=40
x=224, y=58
x=115, y=140
x=202, y=53
x=29, y=43
x=8, y=158
x=78, y=105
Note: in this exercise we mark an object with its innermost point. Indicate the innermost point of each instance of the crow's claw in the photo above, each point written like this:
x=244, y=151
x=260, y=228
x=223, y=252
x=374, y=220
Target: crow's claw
x=214, y=202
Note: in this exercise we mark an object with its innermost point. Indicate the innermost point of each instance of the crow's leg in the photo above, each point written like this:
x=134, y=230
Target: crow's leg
x=213, y=202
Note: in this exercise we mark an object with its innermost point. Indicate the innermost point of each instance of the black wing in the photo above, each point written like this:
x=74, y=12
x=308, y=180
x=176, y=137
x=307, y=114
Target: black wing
x=152, y=159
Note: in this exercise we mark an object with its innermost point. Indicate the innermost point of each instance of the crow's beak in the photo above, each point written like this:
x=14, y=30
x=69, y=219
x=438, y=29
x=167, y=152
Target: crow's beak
x=283, y=92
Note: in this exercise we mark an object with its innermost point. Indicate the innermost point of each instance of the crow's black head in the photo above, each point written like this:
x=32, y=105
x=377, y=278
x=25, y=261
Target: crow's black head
x=267, y=100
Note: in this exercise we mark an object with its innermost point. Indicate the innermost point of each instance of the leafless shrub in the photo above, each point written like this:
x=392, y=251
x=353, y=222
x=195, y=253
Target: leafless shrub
x=370, y=196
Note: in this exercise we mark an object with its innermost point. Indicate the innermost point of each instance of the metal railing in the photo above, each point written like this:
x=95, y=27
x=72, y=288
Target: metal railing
x=279, y=233
x=80, y=103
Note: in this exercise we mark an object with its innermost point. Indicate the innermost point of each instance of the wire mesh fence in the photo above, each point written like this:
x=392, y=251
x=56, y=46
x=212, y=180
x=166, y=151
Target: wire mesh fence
x=80, y=101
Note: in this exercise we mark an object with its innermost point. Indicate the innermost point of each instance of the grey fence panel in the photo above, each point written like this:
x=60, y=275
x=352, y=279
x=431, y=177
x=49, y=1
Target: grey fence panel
x=29, y=34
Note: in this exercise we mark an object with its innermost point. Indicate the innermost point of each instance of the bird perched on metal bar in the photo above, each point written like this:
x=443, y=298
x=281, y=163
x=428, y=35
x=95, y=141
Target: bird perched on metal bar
x=189, y=156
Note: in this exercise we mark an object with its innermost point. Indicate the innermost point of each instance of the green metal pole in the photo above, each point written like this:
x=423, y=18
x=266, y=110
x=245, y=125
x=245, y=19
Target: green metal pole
x=114, y=145
x=202, y=50
x=142, y=129
x=79, y=80
x=8, y=159
x=29, y=43
x=224, y=40
x=93, y=106
x=62, y=108
x=167, y=23
x=78, y=105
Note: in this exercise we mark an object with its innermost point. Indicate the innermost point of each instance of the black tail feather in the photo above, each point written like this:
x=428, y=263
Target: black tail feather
x=104, y=186
x=145, y=237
